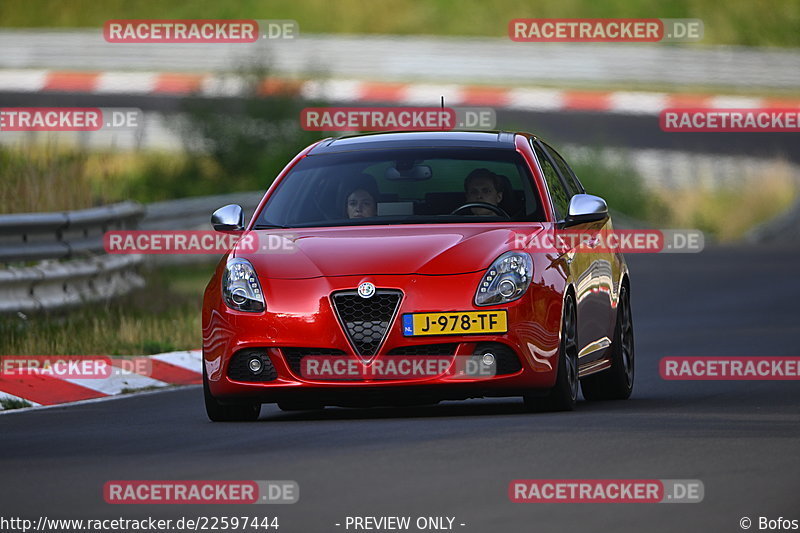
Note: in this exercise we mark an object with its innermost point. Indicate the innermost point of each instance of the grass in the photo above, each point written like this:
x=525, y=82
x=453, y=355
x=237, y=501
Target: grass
x=242, y=150
x=162, y=317
x=128, y=390
x=723, y=212
x=14, y=403
x=728, y=213
x=738, y=22
x=154, y=176
x=43, y=179
x=49, y=178
x=621, y=187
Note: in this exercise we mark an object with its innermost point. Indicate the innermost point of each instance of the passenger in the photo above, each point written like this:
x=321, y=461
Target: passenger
x=362, y=201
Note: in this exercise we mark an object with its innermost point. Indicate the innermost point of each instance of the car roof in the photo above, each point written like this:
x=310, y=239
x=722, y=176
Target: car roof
x=416, y=139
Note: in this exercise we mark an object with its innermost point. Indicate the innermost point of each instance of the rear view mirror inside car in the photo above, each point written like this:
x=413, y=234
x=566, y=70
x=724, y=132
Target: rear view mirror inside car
x=411, y=173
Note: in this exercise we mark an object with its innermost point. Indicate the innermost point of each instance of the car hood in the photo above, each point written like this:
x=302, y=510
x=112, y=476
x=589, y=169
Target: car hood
x=370, y=250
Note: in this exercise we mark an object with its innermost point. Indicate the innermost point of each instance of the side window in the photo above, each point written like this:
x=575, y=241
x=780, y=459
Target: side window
x=557, y=191
x=573, y=185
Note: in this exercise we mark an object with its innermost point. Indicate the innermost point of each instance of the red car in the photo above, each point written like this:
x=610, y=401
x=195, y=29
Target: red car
x=396, y=268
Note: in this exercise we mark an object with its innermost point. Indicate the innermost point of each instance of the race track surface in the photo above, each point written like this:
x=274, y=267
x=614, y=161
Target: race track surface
x=457, y=459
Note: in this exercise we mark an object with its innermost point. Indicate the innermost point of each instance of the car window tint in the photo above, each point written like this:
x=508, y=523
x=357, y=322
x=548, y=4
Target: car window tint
x=316, y=189
x=449, y=174
x=557, y=191
x=573, y=186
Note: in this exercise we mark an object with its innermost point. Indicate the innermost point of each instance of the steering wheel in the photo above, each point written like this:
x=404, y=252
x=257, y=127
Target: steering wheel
x=485, y=205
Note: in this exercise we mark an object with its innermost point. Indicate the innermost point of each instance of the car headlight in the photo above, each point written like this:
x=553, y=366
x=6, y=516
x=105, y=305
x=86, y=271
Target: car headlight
x=506, y=280
x=241, y=289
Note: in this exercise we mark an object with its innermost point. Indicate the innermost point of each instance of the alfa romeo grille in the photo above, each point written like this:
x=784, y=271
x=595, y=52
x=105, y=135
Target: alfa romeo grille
x=366, y=320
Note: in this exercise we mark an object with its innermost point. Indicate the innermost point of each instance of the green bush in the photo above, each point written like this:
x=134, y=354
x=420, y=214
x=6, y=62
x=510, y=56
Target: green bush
x=13, y=403
x=621, y=187
x=248, y=140
x=739, y=22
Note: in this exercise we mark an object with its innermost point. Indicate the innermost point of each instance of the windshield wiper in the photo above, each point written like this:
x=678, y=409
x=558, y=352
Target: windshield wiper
x=269, y=226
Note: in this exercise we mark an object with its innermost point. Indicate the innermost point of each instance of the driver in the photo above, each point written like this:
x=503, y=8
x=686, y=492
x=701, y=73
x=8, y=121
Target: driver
x=483, y=185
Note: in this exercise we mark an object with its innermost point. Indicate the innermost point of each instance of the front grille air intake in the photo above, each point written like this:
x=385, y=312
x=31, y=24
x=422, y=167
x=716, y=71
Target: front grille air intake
x=294, y=356
x=366, y=320
x=426, y=349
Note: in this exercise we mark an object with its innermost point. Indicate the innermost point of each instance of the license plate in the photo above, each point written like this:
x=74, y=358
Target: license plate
x=456, y=323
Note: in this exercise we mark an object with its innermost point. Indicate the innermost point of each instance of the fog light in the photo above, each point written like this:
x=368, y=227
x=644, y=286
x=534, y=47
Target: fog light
x=255, y=365
x=488, y=359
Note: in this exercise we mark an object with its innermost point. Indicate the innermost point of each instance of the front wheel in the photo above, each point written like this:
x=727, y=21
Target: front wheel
x=218, y=412
x=564, y=394
x=616, y=383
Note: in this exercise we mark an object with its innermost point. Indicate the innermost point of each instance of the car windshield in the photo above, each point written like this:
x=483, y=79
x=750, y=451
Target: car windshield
x=404, y=186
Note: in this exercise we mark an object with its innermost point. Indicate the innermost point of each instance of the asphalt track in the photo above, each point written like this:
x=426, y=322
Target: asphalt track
x=457, y=459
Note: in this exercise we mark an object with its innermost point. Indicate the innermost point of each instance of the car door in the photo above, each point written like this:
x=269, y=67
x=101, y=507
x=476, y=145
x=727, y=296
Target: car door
x=591, y=269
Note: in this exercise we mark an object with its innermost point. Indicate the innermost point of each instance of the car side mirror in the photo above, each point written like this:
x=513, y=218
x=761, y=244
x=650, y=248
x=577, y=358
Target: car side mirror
x=585, y=208
x=228, y=218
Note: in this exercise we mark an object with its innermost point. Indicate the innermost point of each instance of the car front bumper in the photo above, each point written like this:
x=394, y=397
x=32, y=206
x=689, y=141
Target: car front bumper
x=300, y=316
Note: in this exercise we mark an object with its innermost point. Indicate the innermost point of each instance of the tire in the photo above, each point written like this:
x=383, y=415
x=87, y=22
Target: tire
x=217, y=412
x=616, y=383
x=564, y=394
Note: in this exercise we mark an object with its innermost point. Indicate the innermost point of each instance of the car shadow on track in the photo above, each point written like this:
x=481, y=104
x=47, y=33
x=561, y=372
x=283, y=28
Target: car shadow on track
x=471, y=408
x=646, y=416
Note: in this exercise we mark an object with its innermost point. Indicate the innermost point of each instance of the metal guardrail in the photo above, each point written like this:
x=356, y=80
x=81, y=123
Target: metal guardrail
x=56, y=260
x=38, y=236
x=192, y=214
x=195, y=213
